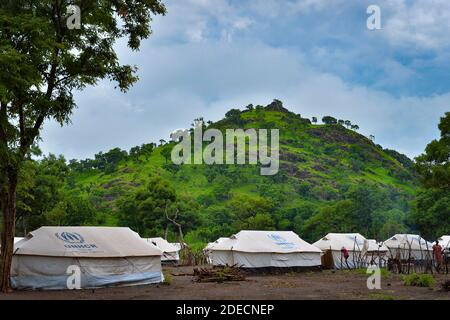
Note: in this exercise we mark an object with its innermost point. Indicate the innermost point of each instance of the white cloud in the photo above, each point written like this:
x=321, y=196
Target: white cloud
x=421, y=23
x=206, y=57
x=212, y=78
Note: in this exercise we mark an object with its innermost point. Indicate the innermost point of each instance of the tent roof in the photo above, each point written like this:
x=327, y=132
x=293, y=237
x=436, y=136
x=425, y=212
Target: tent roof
x=375, y=246
x=405, y=241
x=444, y=241
x=91, y=242
x=211, y=245
x=264, y=241
x=178, y=245
x=335, y=241
x=17, y=239
x=162, y=244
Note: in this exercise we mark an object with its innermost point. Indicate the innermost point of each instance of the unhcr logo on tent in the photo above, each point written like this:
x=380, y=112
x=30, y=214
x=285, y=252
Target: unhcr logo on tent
x=280, y=241
x=74, y=240
x=70, y=237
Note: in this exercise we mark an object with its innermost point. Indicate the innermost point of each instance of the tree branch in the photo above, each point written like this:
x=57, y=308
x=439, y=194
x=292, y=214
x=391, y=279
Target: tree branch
x=51, y=82
x=173, y=220
x=63, y=79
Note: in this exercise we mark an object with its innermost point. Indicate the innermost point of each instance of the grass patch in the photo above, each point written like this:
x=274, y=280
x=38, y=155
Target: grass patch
x=384, y=272
x=416, y=280
x=167, y=278
x=381, y=296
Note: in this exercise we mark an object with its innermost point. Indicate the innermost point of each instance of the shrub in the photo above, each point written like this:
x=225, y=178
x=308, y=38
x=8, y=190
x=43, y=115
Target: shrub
x=167, y=278
x=423, y=280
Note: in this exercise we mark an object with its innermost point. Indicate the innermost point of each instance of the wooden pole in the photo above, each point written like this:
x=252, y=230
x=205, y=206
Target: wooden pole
x=428, y=254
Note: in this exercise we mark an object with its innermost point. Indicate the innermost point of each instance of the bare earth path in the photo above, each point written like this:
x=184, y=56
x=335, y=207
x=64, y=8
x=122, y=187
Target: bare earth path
x=308, y=285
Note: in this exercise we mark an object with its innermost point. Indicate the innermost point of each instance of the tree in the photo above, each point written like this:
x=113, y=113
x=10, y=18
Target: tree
x=233, y=114
x=145, y=210
x=43, y=62
x=261, y=221
x=166, y=152
x=182, y=216
x=355, y=127
x=430, y=213
x=110, y=160
x=314, y=119
x=45, y=191
x=434, y=165
x=432, y=205
x=366, y=199
x=157, y=210
x=341, y=122
x=134, y=153
x=329, y=120
x=386, y=223
x=348, y=123
x=251, y=211
x=72, y=211
x=249, y=107
x=335, y=218
x=147, y=149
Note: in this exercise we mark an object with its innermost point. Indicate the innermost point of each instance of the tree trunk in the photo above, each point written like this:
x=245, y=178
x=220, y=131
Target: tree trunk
x=166, y=232
x=7, y=235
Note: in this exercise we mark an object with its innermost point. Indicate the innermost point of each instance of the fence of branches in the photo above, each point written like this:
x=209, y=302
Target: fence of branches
x=403, y=259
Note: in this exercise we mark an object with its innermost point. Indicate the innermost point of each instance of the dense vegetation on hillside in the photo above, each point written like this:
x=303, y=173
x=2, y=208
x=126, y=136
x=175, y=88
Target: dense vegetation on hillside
x=331, y=178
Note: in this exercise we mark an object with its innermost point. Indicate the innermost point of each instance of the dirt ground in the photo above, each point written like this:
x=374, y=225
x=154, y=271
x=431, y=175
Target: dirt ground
x=323, y=285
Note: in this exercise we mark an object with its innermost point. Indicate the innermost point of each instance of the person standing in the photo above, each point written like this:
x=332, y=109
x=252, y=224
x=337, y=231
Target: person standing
x=437, y=252
x=345, y=254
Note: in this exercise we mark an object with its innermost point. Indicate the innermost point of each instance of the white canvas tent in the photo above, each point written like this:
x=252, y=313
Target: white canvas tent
x=405, y=246
x=105, y=256
x=444, y=241
x=208, y=249
x=259, y=249
x=170, y=252
x=212, y=244
x=356, y=245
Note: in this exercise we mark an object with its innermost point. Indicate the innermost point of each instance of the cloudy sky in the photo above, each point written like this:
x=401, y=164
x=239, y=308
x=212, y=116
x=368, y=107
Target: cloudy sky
x=317, y=56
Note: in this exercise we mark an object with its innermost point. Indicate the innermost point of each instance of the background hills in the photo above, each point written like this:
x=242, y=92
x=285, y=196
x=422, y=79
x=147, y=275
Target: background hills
x=331, y=178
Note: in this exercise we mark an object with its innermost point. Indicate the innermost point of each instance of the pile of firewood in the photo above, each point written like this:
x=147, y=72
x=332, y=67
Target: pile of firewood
x=221, y=274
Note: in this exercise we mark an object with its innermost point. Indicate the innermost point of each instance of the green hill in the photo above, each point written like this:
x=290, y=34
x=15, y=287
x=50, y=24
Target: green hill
x=330, y=179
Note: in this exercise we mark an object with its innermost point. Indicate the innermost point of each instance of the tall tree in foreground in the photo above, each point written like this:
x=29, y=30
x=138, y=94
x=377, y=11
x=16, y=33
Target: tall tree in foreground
x=43, y=62
x=434, y=165
x=431, y=214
